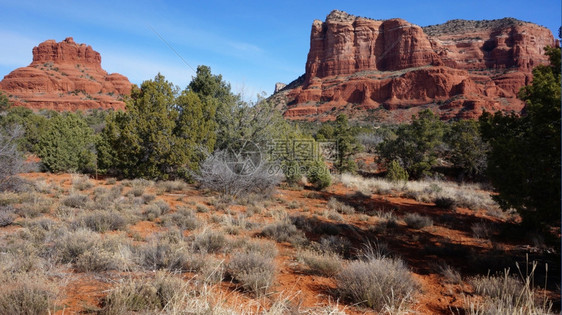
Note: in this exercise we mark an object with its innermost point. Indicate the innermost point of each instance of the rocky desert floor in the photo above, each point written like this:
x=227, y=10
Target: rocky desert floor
x=86, y=245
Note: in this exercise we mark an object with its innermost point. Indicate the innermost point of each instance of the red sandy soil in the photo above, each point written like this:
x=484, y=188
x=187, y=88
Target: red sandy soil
x=85, y=291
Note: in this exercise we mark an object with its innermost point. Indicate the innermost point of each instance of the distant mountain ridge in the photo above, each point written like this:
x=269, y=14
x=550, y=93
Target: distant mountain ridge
x=387, y=70
x=65, y=76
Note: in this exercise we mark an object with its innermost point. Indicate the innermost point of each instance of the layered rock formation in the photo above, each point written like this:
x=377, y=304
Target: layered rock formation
x=391, y=69
x=65, y=76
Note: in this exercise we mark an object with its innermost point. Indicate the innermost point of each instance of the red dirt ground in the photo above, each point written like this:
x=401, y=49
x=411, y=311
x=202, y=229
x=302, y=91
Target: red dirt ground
x=83, y=292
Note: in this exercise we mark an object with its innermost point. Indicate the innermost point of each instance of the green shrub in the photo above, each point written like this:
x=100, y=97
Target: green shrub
x=396, y=173
x=67, y=145
x=292, y=171
x=319, y=175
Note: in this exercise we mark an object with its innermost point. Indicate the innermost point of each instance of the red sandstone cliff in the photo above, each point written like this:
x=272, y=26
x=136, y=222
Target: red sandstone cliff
x=65, y=76
x=391, y=69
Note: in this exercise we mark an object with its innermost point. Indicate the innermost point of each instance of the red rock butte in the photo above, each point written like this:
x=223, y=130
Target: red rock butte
x=65, y=76
x=388, y=70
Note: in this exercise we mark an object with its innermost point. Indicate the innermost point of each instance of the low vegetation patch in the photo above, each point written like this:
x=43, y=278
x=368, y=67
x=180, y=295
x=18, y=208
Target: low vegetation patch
x=384, y=284
x=417, y=221
x=254, y=272
x=325, y=264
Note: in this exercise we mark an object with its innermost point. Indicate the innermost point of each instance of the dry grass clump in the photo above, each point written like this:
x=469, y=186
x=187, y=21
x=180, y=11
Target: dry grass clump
x=184, y=218
x=144, y=295
x=469, y=196
x=417, y=221
x=481, y=230
x=69, y=245
x=159, y=254
x=170, y=186
x=321, y=263
x=137, y=191
x=210, y=242
x=505, y=294
x=284, y=232
x=340, y=207
x=27, y=294
x=34, y=207
x=87, y=251
x=338, y=245
x=383, y=284
x=111, y=253
x=450, y=274
x=21, y=256
x=101, y=220
x=7, y=215
x=254, y=272
x=76, y=201
x=81, y=182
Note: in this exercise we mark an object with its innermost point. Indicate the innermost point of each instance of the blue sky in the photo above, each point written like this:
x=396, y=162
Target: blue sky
x=253, y=44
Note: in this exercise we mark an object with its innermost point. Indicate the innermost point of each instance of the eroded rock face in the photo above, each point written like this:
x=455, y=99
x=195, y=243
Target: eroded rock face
x=65, y=76
x=461, y=68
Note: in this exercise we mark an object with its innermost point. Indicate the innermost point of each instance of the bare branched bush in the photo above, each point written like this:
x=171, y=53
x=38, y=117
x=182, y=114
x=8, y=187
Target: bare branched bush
x=216, y=175
x=382, y=284
x=11, y=159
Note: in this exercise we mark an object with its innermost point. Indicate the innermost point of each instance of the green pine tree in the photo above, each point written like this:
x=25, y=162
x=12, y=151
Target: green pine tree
x=524, y=160
x=67, y=144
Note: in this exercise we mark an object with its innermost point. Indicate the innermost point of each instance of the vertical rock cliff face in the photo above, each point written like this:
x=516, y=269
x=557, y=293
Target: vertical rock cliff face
x=389, y=70
x=65, y=76
x=345, y=44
